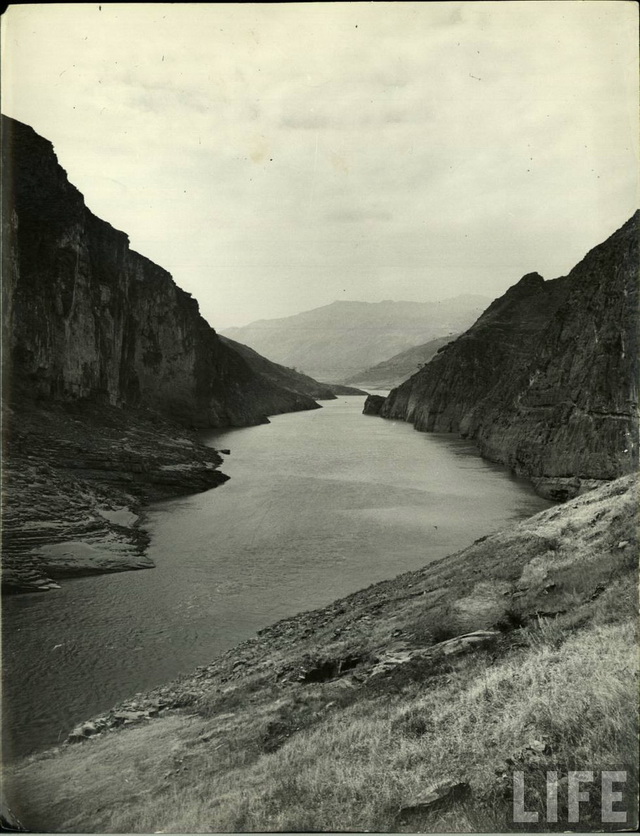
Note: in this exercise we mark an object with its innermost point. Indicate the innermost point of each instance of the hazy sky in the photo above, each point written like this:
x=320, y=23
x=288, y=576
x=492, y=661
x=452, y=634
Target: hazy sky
x=277, y=157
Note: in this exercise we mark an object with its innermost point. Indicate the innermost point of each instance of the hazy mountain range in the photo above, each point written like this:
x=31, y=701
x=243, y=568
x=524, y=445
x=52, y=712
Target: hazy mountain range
x=336, y=341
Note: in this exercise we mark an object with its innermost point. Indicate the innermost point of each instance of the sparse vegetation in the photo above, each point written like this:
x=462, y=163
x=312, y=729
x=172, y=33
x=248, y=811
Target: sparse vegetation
x=265, y=746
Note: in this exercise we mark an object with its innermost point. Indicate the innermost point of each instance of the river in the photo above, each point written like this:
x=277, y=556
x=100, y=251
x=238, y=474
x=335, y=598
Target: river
x=319, y=504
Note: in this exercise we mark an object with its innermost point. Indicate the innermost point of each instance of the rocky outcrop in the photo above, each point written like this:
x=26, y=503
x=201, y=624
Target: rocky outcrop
x=75, y=480
x=86, y=317
x=546, y=380
x=373, y=405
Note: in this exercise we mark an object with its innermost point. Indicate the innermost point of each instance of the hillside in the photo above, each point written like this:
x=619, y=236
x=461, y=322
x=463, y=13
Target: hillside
x=396, y=369
x=403, y=708
x=290, y=379
x=334, y=342
x=546, y=381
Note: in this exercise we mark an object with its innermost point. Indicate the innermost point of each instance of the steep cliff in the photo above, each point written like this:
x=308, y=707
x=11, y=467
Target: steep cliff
x=546, y=380
x=86, y=317
x=107, y=368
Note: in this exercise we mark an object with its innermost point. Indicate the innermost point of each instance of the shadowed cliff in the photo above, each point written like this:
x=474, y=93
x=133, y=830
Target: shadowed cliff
x=86, y=317
x=107, y=368
x=546, y=380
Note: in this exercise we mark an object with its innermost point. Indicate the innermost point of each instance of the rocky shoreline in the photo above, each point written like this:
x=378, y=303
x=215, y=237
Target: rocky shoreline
x=545, y=382
x=514, y=600
x=555, y=488
x=75, y=482
x=459, y=608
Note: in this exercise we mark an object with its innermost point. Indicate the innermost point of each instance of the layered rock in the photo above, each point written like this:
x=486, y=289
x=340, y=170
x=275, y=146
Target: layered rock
x=546, y=380
x=75, y=480
x=107, y=367
x=87, y=317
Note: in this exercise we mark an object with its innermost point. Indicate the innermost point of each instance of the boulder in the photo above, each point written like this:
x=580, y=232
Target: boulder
x=470, y=641
x=435, y=796
x=82, y=732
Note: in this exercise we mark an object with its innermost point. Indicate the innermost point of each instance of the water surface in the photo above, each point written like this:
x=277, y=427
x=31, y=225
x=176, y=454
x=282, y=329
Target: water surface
x=319, y=504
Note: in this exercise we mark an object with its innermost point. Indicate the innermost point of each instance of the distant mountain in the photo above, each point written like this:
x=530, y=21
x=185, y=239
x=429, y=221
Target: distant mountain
x=546, y=381
x=334, y=342
x=289, y=379
x=396, y=369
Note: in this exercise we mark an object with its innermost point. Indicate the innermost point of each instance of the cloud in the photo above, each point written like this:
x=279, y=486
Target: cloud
x=275, y=157
x=358, y=215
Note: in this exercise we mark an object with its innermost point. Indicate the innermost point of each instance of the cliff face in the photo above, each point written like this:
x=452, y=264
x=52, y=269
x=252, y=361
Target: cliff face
x=546, y=380
x=88, y=318
x=108, y=366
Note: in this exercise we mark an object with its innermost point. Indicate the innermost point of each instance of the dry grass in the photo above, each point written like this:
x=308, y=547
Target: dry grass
x=356, y=770
x=265, y=752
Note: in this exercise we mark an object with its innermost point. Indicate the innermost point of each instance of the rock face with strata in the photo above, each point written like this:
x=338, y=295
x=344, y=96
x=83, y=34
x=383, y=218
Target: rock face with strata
x=545, y=381
x=76, y=477
x=86, y=317
x=107, y=369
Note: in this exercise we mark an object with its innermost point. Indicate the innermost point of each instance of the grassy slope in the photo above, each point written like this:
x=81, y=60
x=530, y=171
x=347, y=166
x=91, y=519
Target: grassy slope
x=272, y=737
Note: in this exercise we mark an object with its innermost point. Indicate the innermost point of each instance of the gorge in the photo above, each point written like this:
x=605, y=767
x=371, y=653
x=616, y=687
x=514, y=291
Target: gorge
x=235, y=687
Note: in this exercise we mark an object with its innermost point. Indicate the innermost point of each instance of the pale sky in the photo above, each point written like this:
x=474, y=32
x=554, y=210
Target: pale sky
x=275, y=158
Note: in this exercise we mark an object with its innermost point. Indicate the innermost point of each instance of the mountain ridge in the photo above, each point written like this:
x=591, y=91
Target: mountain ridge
x=335, y=341
x=290, y=379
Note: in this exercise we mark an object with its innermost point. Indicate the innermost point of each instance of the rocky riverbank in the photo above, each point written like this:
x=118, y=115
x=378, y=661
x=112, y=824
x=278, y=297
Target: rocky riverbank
x=402, y=707
x=107, y=367
x=546, y=380
x=75, y=481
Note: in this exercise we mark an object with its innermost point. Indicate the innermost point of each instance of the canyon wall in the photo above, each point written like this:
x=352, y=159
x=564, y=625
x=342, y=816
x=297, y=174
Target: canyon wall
x=86, y=317
x=546, y=381
x=108, y=368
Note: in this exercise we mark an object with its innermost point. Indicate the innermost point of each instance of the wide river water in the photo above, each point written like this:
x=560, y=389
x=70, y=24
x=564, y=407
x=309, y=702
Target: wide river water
x=319, y=504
